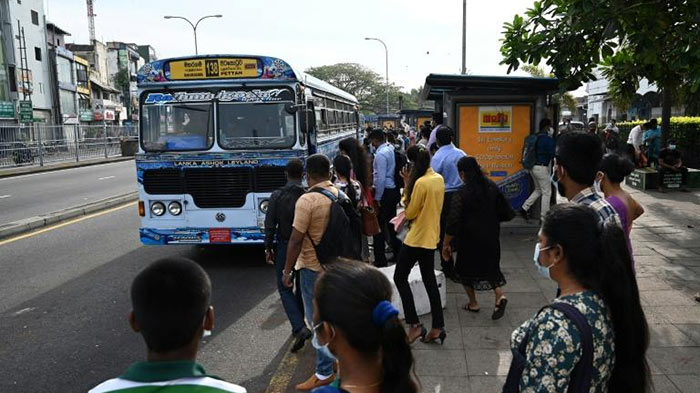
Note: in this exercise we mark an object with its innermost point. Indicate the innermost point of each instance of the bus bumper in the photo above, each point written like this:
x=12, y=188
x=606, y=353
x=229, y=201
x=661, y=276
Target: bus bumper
x=155, y=236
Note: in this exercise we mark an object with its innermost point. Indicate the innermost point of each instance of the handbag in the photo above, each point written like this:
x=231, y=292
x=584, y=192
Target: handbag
x=370, y=221
x=504, y=210
x=401, y=225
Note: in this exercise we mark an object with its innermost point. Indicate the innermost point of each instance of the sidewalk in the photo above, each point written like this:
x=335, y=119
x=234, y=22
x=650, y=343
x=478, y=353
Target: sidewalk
x=29, y=169
x=476, y=354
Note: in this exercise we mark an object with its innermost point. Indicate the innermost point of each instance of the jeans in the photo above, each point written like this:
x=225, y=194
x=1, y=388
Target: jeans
x=324, y=364
x=387, y=211
x=425, y=258
x=292, y=306
x=543, y=188
x=447, y=265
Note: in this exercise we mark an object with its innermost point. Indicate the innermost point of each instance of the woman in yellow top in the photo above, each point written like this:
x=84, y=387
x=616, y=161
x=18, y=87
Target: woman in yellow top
x=423, y=197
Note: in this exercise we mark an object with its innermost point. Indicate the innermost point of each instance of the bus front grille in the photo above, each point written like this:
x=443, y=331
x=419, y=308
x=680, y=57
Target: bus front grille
x=214, y=187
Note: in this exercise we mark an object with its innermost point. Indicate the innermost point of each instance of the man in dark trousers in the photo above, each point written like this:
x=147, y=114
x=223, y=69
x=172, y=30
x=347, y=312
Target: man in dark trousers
x=278, y=229
x=386, y=195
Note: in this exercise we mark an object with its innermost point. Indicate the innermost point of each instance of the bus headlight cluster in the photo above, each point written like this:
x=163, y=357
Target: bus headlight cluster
x=264, y=205
x=157, y=208
x=175, y=208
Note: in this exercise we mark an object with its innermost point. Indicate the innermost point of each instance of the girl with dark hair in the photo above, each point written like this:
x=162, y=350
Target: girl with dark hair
x=594, y=337
x=613, y=170
x=360, y=173
x=344, y=181
x=474, y=219
x=423, y=197
x=355, y=322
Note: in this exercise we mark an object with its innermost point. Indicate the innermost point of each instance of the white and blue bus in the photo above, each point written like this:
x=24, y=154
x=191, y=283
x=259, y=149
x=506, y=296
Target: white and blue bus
x=215, y=135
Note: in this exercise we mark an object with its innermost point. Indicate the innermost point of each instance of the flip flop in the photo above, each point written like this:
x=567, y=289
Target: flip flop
x=468, y=308
x=500, y=308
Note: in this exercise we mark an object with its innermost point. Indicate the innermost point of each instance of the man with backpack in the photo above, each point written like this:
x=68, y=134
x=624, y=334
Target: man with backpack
x=537, y=157
x=323, y=230
x=386, y=193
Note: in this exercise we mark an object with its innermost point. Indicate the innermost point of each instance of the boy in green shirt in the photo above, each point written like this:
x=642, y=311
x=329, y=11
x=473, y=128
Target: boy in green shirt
x=171, y=310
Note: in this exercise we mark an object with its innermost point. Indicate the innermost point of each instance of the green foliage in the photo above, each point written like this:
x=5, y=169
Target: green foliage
x=561, y=99
x=684, y=130
x=631, y=39
x=122, y=80
x=367, y=86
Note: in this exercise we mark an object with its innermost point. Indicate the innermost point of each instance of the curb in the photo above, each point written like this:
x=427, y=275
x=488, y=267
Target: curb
x=29, y=224
x=4, y=173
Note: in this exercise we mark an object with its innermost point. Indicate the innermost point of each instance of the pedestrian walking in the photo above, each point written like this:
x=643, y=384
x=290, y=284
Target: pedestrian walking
x=278, y=229
x=386, y=196
x=538, y=157
x=423, y=198
x=311, y=217
x=670, y=163
x=474, y=222
x=356, y=323
x=171, y=309
x=652, y=141
x=444, y=162
x=576, y=163
x=594, y=337
x=360, y=171
x=436, y=123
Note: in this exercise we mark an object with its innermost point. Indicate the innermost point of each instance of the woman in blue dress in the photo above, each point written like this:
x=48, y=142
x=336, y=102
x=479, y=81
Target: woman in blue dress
x=599, y=344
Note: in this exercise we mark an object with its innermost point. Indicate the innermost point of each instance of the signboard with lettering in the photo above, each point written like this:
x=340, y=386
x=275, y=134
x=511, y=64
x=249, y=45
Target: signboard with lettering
x=222, y=68
x=7, y=110
x=495, y=119
x=26, y=112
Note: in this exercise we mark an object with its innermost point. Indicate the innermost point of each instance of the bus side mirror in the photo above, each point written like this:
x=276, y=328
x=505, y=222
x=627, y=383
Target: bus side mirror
x=291, y=108
x=308, y=118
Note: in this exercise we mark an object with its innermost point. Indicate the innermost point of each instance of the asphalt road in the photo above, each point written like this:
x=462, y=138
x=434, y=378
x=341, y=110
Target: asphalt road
x=40, y=193
x=64, y=297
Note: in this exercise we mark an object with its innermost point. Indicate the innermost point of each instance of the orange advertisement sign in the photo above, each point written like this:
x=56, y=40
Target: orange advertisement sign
x=495, y=136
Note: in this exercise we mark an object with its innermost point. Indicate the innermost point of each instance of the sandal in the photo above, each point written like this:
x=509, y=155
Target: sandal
x=423, y=332
x=467, y=307
x=500, y=308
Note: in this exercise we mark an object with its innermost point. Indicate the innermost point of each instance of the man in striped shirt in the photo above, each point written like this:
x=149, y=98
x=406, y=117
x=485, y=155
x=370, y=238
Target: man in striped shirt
x=576, y=162
x=171, y=310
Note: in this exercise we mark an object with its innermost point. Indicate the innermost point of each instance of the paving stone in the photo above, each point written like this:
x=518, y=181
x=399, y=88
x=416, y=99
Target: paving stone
x=677, y=252
x=676, y=360
x=451, y=363
x=682, y=314
x=663, y=385
x=685, y=383
x=666, y=298
x=652, y=284
x=486, y=337
x=691, y=330
x=526, y=299
x=691, y=261
x=483, y=362
x=654, y=315
x=482, y=318
x=487, y=384
x=432, y=384
x=668, y=335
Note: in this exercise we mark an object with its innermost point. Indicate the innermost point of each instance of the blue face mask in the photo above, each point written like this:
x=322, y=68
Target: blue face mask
x=544, y=271
x=321, y=348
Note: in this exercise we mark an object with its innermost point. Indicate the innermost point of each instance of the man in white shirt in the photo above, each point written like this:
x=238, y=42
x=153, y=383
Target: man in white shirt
x=436, y=123
x=634, y=142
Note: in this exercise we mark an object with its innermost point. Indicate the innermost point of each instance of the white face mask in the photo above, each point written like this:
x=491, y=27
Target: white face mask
x=597, y=184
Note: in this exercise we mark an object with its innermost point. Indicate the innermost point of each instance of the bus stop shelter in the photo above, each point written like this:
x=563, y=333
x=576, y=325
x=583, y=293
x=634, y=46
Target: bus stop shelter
x=492, y=116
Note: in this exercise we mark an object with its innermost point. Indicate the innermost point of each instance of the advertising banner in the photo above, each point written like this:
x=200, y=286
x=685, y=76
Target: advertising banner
x=495, y=119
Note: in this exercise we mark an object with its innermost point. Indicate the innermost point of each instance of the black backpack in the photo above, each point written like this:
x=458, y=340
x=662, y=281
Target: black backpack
x=342, y=235
x=400, y=161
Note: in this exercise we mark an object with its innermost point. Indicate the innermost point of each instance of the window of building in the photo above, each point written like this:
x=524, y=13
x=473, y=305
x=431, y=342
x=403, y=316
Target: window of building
x=65, y=70
x=37, y=53
x=67, y=102
x=13, y=78
x=81, y=74
x=35, y=18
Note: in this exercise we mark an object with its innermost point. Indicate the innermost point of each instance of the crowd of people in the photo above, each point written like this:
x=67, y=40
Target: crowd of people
x=592, y=337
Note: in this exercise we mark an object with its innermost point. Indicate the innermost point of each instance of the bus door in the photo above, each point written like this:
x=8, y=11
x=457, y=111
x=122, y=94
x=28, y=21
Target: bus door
x=309, y=128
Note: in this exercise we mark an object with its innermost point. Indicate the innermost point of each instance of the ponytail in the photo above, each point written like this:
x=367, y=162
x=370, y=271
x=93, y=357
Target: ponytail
x=618, y=288
x=397, y=359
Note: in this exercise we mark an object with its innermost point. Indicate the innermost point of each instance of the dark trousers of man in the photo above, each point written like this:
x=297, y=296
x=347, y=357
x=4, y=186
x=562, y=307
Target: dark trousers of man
x=387, y=211
x=290, y=302
x=426, y=262
x=682, y=170
x=448, y=265
x=632, y=154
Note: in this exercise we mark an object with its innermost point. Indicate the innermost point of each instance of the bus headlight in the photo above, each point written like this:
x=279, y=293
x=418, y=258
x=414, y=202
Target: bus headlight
x=264, y=205
x=157, y=208
x=175, y=208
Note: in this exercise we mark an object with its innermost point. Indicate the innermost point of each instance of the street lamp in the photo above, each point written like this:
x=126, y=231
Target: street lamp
x=386, y=51
x=194, y=26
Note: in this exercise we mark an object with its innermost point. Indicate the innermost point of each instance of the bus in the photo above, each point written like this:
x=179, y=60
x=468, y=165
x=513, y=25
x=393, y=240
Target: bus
x=215, y=134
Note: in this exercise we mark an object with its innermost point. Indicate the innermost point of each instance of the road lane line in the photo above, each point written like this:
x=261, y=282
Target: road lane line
x=5, y=196
x=65, y=224
x=283, y=375
x=63, y=170
x=106, y=178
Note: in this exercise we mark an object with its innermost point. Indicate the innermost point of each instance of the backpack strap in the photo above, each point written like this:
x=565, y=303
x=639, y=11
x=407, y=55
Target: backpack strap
x=581, y=375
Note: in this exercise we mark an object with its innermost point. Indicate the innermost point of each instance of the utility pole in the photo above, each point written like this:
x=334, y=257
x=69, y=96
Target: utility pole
x=194, y=26
x=464, y=37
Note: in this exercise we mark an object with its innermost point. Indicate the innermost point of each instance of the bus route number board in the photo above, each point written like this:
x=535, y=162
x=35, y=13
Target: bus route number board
x=221, y=68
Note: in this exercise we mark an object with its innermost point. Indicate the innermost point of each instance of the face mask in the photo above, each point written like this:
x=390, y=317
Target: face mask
x=544, y=271
x=550, y=131
x=555, y=180
x=321, y=348
x=596, y=185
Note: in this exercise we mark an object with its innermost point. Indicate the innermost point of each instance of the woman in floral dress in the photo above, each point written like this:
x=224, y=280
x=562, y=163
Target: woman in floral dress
x=591, y=263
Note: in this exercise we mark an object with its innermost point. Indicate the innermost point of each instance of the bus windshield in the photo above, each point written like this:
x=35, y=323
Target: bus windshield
x=177, y=127
x=255, y=125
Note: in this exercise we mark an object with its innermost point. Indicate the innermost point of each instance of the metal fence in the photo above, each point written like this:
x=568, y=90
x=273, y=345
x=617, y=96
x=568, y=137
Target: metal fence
x=40, y=144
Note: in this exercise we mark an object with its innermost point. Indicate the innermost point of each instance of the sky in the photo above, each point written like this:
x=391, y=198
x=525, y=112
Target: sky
x=422, y=37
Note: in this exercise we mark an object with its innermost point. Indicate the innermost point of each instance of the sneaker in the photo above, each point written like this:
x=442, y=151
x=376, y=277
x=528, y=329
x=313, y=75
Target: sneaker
x=300, y=338
x=313, y=382
x=525, y=214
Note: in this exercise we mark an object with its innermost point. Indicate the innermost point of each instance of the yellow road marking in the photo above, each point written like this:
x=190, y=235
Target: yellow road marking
x=283, y=375
x=65, y=224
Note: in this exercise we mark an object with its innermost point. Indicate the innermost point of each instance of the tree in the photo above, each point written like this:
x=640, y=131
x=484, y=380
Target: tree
x=631, y=39
x=562, y=99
